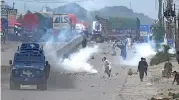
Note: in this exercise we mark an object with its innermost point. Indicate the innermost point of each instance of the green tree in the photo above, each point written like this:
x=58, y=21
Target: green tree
x=28, y=11
x=157, y=28
x=160, y=11
x=41, y=20
x=158, y=31
x=166, y=48
x=19, y=18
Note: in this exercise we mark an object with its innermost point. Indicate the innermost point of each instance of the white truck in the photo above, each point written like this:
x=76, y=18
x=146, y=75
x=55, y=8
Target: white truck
x=64, y=26
x=97, y=31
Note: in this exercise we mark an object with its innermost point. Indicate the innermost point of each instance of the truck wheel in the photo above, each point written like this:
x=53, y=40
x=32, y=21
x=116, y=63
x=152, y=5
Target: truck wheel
x=14, y=85
x=42, y=86
x=99, y=39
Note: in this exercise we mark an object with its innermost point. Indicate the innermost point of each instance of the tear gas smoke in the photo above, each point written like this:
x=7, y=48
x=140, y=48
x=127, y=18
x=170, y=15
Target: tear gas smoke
x=172, y=51
x=140, y=50
x=77, y=62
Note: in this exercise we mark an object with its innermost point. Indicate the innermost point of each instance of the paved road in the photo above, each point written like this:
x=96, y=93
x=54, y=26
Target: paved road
x=75, y=86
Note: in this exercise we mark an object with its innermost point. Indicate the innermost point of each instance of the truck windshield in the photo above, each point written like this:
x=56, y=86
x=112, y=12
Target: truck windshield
x=29, y=58
x=21, y=57
x=36, y=58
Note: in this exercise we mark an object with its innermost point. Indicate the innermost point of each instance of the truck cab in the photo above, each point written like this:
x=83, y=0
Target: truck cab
x=29, y=67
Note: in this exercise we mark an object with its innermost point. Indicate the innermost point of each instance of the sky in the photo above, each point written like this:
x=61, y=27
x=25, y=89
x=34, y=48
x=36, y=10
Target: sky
x=147, y=7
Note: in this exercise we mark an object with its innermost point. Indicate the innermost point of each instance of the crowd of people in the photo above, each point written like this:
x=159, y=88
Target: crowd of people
x=126, y=44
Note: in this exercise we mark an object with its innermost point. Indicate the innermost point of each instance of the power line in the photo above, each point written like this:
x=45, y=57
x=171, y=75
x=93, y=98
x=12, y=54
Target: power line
x=42, y=1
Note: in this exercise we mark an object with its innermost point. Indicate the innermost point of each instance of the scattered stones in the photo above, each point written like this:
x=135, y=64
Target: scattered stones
x=117, y=74
x=130, y=72
x=171, y=94
x=160, y=98
x=160, y=93
x=170, y=89
x=155, y=79
x=149, y=84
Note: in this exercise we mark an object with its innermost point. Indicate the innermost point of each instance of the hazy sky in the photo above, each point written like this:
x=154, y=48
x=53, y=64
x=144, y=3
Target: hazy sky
x=141, y=6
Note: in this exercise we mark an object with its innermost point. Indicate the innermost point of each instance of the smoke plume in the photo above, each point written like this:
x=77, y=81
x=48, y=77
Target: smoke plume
x=76, y=62
x=139, y=50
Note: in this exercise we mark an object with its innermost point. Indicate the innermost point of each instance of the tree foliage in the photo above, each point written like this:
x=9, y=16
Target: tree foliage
x=28, y=11
x=161, y=56
x=44, y=21
x=158, y=32
x=157, y=28
x=19, y=18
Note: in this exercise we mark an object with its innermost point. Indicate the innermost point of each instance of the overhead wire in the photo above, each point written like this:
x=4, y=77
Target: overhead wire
x=45, y=1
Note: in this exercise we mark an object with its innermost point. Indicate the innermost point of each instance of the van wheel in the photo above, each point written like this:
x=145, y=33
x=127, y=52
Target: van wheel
x=42, y=86
x=14, y=85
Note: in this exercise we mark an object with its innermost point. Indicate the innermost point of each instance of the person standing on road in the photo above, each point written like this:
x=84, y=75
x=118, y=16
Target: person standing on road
x=123, y=51
x=141, y=69
x=146, y=66
x=107, y=66
x=84, y=42
x=176, y=77
x=114, y=48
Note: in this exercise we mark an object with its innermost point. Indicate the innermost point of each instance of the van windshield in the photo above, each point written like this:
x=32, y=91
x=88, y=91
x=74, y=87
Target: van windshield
x=29, y=58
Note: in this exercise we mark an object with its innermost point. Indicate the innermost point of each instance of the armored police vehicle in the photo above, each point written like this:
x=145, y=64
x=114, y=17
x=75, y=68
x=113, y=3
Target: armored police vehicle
x=29, y=67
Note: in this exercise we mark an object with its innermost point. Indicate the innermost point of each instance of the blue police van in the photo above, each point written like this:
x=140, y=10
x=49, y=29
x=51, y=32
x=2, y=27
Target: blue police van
x=29, y=67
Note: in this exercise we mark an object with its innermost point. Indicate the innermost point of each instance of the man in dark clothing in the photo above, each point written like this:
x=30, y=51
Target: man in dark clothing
x=177, y=56
x=146, y=66
x=176, y=78
x=167, y=69
x=141, y=68
x=84, y=42
x=86, y=33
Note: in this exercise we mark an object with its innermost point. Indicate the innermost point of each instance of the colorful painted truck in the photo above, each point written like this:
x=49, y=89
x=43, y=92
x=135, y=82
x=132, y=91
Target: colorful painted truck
x=36, y=21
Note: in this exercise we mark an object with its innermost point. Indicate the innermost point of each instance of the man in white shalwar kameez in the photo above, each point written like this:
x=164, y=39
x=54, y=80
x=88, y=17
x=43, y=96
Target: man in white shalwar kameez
x=107, y=66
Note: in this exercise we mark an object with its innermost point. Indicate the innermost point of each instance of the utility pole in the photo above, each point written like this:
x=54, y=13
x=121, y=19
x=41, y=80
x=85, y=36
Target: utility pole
x=13, y=5
x=169, y=14
x=177, y=40
x=130, y=5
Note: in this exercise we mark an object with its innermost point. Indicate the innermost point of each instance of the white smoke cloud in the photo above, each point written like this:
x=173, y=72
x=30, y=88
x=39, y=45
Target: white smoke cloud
x=76, y=62
x=140, y=50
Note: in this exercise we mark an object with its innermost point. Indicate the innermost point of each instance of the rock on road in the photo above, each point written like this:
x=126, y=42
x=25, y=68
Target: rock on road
x=75, y=87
